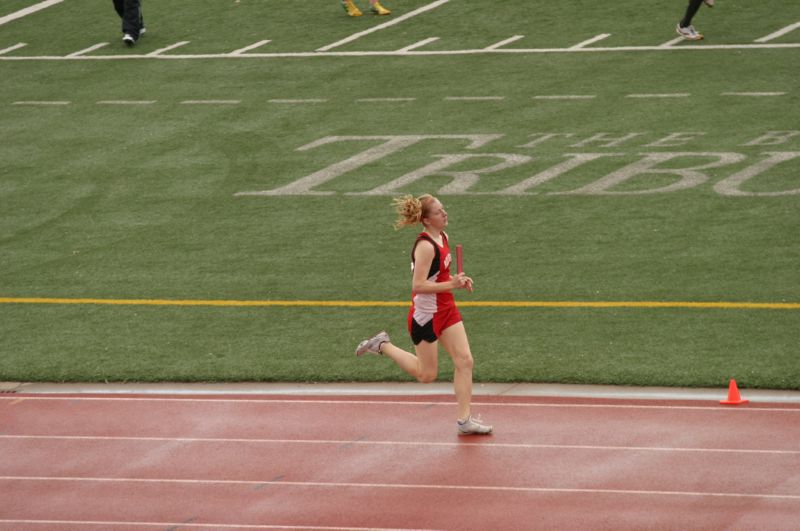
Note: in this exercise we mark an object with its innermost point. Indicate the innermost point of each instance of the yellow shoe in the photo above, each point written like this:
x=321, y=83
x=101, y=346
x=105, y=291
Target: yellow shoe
x=378, y=9
x=350, y=8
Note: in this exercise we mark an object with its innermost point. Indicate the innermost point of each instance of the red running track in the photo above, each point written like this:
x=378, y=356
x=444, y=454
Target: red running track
x=178, y=462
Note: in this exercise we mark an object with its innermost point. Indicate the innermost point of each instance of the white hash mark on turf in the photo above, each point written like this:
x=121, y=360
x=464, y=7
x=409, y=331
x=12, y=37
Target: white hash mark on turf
x=168, y=48
x=754, y=94
x=28, y=10
x=500, y=44
x=590, y=41
x=126, y=102
x=12, y=48
x=418, y=44
x=397, y=20
x=781, y=32
x=41, y=103
x=89, y=49
x=258, y=44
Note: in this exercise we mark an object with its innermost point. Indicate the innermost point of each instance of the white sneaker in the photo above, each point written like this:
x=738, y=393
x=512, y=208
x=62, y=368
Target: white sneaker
x=373, y=344
x=128, y=39
x=709, y=3
x=688, y=33
x=473, y=426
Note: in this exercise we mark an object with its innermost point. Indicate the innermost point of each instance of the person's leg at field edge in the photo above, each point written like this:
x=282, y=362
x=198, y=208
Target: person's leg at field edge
x=131, y=13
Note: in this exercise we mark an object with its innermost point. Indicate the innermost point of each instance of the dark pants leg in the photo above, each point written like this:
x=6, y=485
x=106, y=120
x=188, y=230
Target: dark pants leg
x=691, y=10
x=131, y=13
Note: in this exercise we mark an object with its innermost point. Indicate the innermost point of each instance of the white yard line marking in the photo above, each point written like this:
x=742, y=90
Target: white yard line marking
x=287, y=55
x=41, y=103
x=779, y=33
x=401, y=486
x=590, y=41
x=379, y=27
x=211, y=102
x=674, y=95
x=126, y=102
x=500, y=44
x=168, y=48
x=474, y=98
x=754, y=94
x=89, y=49
x=384, y=100
x=12, y=48
x=258, y=44
x=566, y=97
x=311, y=100
x=670, y=44
x=418, y=44
x=324, y=442
x=180, y=525
x=393, y=403
x=28, y=10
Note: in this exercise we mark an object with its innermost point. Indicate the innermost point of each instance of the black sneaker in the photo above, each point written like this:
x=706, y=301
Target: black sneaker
x=128, y=39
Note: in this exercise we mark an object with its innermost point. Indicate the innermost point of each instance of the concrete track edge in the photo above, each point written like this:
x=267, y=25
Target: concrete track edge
x=397, y=389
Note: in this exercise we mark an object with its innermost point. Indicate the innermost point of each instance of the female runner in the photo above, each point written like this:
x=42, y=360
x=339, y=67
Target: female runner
x=433, y=317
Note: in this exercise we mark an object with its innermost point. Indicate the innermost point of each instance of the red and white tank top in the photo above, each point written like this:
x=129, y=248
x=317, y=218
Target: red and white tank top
x=425, y=305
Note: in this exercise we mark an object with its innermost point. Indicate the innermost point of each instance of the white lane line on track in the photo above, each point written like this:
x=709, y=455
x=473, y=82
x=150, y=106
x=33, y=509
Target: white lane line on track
x=184, y=525
x=781, y=32
x=20, y=398
x=404, y=486
x=28, y=10
x=379, y=27
x=325, y=442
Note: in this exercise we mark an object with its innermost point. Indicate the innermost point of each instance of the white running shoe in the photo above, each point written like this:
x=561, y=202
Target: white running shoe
x=128, y=39
x=373, y=344
x=688, y=33
x=473, y=426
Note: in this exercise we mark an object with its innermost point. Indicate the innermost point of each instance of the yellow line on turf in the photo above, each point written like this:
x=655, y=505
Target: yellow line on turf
x=373, y=304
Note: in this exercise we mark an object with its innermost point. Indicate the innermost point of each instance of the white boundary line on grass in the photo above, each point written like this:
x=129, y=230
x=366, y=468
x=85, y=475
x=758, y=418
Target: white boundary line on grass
x=28, y=10
x=373, y=29
x=590, y=41
x=419, y=44
x=158, y=54
x=404, y=486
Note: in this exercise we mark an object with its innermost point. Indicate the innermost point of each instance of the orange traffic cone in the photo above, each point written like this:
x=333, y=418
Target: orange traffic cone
x=734, y=399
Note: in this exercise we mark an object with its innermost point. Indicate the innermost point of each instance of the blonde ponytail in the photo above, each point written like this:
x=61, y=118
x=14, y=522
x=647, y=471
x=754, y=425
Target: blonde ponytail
x=410, y=210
